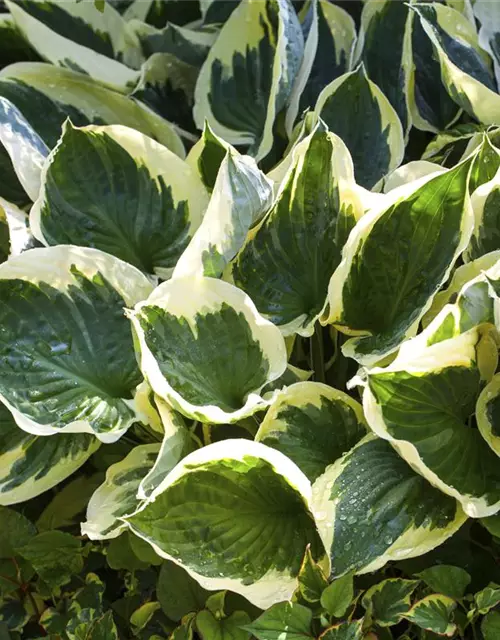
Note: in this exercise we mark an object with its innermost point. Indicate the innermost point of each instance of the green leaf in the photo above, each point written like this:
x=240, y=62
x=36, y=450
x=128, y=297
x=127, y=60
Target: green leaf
x=356, y=110
x=486, y=164
x=47, y=95
x=70, y=501
x=240, y=196
x=299, y=424
x=186, y=332
x=387, y=601
x=312, y=580
x=248, y=493
x=369, y=507
x=344, y=631
x=114, y=189
x=286, y=265
x=446, y=579
x=117, y=495
x=179, y=593
x=432, y=109
x=144, y=552
x=396, y=259
x=434, y=613
x=188, y=45
x=79, y=36
x=328, y=53
x=167, y=86
x=282, y=621
x=80, y=373
x=486, y=599
x=120, y=554
x=26, y=149
x=176, y=444
x=337, y=597
x=489, y=16
x=207, y=154
x=142, y=616
x=485, y=237
x=465, y=70
x=15, y=531
x=14, y=614
x=246, y=80
x=385, y=36
x=490, y=625
x=99, y=628
x=212, y=628
x=426, y=396
x=55, y=556
x=462, y=276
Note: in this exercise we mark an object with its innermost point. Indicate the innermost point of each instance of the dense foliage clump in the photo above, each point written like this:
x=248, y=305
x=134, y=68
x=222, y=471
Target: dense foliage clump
x=249, y=319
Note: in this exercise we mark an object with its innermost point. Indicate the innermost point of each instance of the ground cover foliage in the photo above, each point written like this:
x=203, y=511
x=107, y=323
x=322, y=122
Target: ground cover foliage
x=249, y=320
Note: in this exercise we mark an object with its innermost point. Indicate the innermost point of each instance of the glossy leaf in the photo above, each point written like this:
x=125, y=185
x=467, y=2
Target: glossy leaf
x=117, y=496
x=80, y=373
x=114, y=189
x=313, y=425
x=248, y=74
x=187, y=330
x=249, y=492
x=395, y=261
x=357, y=111
x=371, y=507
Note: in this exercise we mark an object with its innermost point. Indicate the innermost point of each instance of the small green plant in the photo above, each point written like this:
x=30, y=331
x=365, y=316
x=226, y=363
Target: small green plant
x=249, y=320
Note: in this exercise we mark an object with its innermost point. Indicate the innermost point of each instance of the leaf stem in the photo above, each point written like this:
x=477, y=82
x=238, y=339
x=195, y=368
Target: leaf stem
x=317, y=354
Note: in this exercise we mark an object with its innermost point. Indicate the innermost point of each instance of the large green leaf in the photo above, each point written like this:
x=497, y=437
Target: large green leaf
x=248, y=74
x=26, y=149
x=46, y=95
x=328, y=51
x=356, y=110
x=385, y=43
x=78, y=36
x=30, y=465
x=159, y=12
x=240, y=196
x=205, y=349
x=396, y=259
x=485, y=203
x=113, y=188
x=166, y=85
x=463, y=276
x=286, y=265
x=488, y=14
x=313, y=425
x=212, y=513
x=117, y=496
x=13, y=45
x=465, y=67
x=371, y=507
x=488, y=413
x=188, y=45
x=67, y=358
x=432, y=109
x=422, y=404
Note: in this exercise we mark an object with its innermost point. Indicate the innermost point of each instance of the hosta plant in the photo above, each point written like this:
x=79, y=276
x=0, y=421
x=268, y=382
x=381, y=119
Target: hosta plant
x=249, y=319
